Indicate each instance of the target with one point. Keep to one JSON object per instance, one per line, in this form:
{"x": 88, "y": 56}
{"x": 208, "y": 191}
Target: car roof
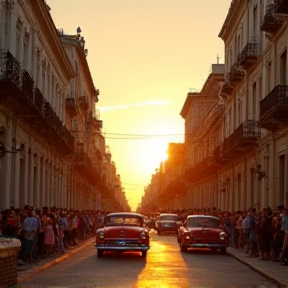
{"x": 202, "y": 216}
{"x": 168, "y": 214}
{"x": 124, "y": 214}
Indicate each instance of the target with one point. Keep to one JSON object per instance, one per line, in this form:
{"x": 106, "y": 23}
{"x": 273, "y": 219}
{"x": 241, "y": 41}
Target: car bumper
{"x": 122, "y": 247}
{"x": 206, "y": 245}
{"x": 168, "y": 229}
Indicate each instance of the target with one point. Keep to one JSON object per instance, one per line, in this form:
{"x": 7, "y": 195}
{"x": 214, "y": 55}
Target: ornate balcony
{"x": 18, "y": 93}
{"x": 203, "y": 169}
{"x": 83, "y": 102}
{"x": 219, "y": 155}
{"x": 274, "y": 108}
{"x": 83, "y": 165}
{"x": 244, "y": 138}
{"x": 235, "y": 76}
{"x": 226, "y": 89}
{"x": 281, "y": 6}
{"x": 271, "y": 22}
{"x": 248, "y": 56}
{"x": 70, "y": 105}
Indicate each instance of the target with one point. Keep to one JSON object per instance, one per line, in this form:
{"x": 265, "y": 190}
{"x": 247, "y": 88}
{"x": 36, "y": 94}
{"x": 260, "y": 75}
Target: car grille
{"x": 170, "y": 225}
{"x": 120, "y": 243}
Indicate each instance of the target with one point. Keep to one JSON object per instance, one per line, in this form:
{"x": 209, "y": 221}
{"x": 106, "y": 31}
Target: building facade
{"x": 236, "y": 127}
{"x": 52, "y": 151}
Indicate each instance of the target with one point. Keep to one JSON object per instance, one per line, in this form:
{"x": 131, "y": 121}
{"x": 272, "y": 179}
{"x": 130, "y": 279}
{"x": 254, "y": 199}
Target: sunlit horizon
{"x": 144, "y": 57}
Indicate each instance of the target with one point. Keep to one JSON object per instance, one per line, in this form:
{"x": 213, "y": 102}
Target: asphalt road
{"x": 164, "y": 267}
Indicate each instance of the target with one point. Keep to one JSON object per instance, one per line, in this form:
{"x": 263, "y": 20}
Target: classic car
{"x": 202, "y": 231}
{"x": 122, "y": 232}
{"x": 168, "y": 222}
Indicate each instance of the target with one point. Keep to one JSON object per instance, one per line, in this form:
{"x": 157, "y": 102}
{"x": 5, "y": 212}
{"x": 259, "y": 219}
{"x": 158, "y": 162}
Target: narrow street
{"x": 165, "y": 266}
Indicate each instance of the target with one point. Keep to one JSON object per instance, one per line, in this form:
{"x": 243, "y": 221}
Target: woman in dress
{"x": 49, "y": 239}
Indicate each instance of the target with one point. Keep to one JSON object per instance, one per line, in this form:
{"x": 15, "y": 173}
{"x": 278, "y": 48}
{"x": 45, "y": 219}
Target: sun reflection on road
{"x": 162, "y": 269}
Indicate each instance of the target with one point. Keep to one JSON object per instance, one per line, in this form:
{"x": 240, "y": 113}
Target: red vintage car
{"x": 202, "y": 231}
{"x": 123, "y": 231}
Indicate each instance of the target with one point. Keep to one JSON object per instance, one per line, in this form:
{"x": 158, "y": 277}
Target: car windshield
{"x": 123, "y": 220}
{"x": 169, "y": 217}
{"x": 205, "y": 222}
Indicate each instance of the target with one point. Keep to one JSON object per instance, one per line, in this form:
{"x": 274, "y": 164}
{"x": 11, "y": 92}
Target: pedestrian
{"x": 252, "y": 244}
{"x": 30, "y": 228}
{"x": 63, "y": 224}
{"x": 284, "y": 227}
{"x": 264, "y": 230}
{"x": 49, "y": 239}
{"x": 245, "y": 232}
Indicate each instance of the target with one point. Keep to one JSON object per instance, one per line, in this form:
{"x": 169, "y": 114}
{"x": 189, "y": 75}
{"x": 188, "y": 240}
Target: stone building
{"x": 236, "y": 127}
{"x": 52, "y": 150}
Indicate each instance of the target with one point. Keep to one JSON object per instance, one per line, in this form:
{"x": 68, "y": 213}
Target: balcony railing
{"x": 281, "y": 6}
{"x": 235, "y": 76}
{"x": 17, "y": 87}
{"x": 84, "y": 167}
{"x": 70, "y": 105}
{"x": 227, "y": 89}
{"x": 274, "y": 107}
{"x": 271, "y": 22}
{"x": 248, "y": 56}
{"x": 245, "y": 137}
{"x": 247, "y": 134}
{"x": 83, "y": 102}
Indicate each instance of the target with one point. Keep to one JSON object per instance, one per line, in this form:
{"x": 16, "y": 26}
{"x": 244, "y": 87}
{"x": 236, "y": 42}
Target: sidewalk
{"x": 272, "y": 270}
{"x": 27, "y": 270}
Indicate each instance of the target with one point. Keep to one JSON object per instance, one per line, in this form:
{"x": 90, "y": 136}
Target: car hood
{"x": 122, "y": 232}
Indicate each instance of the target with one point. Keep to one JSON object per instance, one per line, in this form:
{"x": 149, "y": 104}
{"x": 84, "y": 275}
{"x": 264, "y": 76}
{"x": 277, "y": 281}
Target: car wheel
{"x": 183, "y": 247}
{"x": 100, "y": 253}
{"x": 144, "y": 253}
{"x": 223, "y": 250}
{"x": 178, "y": 238}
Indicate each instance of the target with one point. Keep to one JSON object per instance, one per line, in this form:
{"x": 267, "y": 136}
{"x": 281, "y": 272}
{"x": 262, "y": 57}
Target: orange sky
{"x": 144, "y": 57}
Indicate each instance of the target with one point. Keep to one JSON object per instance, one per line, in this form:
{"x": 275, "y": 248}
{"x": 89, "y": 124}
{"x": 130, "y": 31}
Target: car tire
{"x": 223, "y": 250}
{"x": 144, "y": 253}
{"x": 100, "y": 253}
{"x": 183, "y": 247}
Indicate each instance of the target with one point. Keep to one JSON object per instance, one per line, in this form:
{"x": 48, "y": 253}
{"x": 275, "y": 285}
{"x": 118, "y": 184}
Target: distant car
{"x": 168, "y": 222}
{"x": 202, "y": 231}
{"x": 122, "y": 232}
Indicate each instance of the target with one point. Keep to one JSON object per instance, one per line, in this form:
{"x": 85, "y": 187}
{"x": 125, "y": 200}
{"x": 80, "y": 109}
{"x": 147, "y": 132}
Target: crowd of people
{"x": 48, "y": 231}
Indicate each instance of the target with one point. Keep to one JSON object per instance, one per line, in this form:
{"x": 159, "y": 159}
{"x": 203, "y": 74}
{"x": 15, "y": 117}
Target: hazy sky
{"x": 144, "y": 57}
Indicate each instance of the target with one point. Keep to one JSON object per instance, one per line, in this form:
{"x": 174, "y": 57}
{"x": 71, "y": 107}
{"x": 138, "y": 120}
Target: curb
{"x": 259, "y": 271}
{"x": 36, "y": 270}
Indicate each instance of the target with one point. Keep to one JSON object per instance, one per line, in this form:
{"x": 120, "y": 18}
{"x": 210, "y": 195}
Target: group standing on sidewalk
{"x": 48, "y": 231}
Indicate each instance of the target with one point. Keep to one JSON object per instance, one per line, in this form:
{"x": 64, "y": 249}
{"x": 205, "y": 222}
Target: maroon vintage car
{"x": 122, "y": 232}
{"x": 202, "y": 231}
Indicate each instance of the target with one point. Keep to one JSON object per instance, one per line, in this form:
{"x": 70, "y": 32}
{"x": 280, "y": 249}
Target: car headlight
{"x": 143, "y": 234}
{"x": 222, "y": 236}
{"x": 101, "y": 234}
